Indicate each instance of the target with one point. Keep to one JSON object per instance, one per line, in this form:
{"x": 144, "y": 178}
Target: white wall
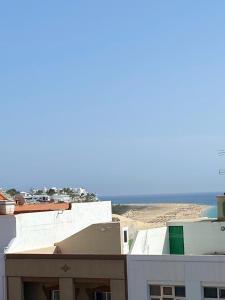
{"x": 202, "y": 237}
{"x": 124, "y": 245}
{"x": 8, "y": 230}
{"x": 7, "y": 233}
{"x": 43, "y": 229}
{"x": 151, "y": 241}
{"x": 192, "y": 271}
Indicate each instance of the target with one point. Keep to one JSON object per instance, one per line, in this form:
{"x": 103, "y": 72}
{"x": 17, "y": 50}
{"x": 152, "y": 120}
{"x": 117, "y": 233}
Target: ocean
{"x": 197, "y": 198}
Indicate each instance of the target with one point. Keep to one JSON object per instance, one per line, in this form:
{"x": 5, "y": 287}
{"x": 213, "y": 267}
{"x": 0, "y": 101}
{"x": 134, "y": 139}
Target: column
{"x": 117, "y": 288}
{"x": 15, "y": 288}
{"x": 67, "y": 290}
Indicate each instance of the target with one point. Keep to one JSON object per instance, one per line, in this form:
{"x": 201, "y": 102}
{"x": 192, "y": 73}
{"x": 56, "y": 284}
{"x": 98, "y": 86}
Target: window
{"x": 125, "y": 236}
{"x": 167, "y": 292}
{"x": 55, "y": 295}
{"x": 102, "y": 296}
{"x": 214, "y": 293}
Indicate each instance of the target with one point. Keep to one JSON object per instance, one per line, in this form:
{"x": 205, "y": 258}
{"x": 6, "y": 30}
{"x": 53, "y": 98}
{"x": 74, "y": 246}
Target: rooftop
{"x": 28, "y": 208}
{"x": 3, "y": 197}
{"x": 41, "y": 207}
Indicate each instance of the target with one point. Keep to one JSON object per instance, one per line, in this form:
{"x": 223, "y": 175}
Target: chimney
{"x": 7, "y": 206}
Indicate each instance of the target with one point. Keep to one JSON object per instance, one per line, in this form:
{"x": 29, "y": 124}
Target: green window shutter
{"x": 176, "y": 239}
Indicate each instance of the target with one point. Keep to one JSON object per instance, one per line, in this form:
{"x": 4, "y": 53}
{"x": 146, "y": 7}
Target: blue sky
{"x": 122, "y": 97}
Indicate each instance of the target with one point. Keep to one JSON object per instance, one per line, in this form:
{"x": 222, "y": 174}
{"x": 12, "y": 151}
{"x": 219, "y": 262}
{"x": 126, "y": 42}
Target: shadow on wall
{"x": 8, "y": 231}
{"x": 103, "y": 238}
{"x": 166, "y": 244}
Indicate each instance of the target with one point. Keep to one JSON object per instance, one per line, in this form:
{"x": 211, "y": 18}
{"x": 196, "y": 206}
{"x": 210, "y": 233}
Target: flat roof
{"x": 42, "y": 207}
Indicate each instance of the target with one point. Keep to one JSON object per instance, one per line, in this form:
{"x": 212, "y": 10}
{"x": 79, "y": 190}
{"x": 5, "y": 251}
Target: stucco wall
{"x": 80, "y": 267}
{"x": 200, "y": 238}
{"x": 151, "y": 241}
{"x": 203, "y": 237}
{"x": 192, "y": 271}
{"x": 8, "y": 231}
{"x": 125, "y": 247}
{"x": 101, "y": 238}
{"x": 43, "y": 229}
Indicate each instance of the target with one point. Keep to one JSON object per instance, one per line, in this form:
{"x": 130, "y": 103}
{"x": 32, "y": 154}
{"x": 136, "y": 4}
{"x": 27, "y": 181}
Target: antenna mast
{"x": 221, "y": 153}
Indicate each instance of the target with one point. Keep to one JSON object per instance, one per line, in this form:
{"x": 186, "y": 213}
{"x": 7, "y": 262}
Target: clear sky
{"x": 121, "y": 97}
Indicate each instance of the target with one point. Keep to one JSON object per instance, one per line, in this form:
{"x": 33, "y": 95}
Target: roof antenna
{"x": 221, "y": 172}
{"x": 221, "y": 153}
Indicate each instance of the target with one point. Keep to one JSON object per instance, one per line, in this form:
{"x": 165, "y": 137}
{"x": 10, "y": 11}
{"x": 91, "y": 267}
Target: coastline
{"x": 143, "y": 216}
{"x": 210, "y": 212}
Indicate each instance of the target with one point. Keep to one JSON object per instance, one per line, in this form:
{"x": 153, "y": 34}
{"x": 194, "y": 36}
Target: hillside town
{"x": 52, "y": 194}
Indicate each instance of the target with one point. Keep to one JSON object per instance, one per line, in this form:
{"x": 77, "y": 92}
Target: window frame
{"x": 125, "y": 236}
{"x": 217, "y": 286}
{"x": 163, "y": 285}
{"x": 53, "y": 293}
{"x": 105, "y": 293}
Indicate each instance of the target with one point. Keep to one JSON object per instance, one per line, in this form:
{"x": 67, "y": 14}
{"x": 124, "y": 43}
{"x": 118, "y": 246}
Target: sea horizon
{"x": 207, "y": 198}
{"x": 201, "y": 198}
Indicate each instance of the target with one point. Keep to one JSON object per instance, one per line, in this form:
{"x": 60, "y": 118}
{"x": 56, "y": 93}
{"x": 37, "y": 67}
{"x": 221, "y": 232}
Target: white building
{"x": 79, "y": 191}
{"x": 25, "y": 195}
{"x": 176, "y": 277}
{"x": 32, "y": 230}
{"x": 60, "y": 198}
{"x": 185, "y": 260}
{"x": 41, "y": 198}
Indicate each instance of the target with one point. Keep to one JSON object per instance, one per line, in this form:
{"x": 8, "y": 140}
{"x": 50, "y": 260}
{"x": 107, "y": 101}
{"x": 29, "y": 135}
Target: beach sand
{"x": 155, "y": 215}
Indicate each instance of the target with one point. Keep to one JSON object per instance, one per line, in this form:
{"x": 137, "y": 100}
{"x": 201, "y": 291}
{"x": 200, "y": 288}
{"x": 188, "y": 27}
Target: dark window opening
{"x": 210, "y": 292}
{"x": 125, "y": 238}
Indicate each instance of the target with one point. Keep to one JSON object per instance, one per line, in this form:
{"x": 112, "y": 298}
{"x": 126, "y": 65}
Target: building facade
{"x": 176, "y": 277}
{"x": 185, "y": 260}
{"x": 29, "y": 230}
{"x": 66, "y": 277}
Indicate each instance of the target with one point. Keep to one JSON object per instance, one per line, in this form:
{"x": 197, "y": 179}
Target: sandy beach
{"x": 156, "y": 215}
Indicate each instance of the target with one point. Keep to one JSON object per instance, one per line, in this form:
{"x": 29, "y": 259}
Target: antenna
{"x": 221, "y": 153}
{"x": 221, "y": 172}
